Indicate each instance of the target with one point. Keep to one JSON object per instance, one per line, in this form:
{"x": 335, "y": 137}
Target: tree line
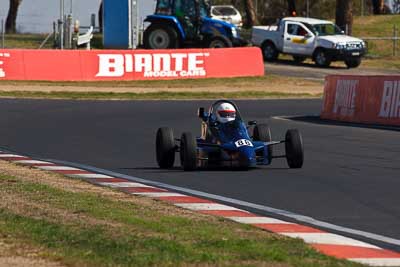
{"x": 344, "y": 11}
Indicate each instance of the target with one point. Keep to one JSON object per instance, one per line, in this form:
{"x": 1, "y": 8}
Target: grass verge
{"x": 155, "y": 95}
{"x": 76, "y": 224}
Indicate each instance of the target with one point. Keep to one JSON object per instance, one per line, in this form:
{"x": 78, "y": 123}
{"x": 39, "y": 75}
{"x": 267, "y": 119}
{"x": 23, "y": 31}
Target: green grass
{"x": 116, "y": 233}
{"x": 265, "y": 81}
{"x": 378, "y": 26}
{"x": 33, "y": 41}
{"x": 155, "y": 95}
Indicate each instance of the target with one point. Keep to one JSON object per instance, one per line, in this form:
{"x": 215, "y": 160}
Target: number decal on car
{"x": 243, "y": 142}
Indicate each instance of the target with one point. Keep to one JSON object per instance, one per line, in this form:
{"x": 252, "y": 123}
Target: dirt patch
{"x": 16, "y": 254}
{"x": 75, "y": 185}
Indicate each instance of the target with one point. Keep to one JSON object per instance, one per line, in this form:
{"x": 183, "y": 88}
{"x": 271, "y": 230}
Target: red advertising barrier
{"x": 95, "y": 65}
{"x": 362, "y": 99}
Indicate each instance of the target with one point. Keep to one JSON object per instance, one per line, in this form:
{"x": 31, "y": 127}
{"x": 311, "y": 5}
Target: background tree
{"x": 292, "y": 8}
{"x": 344, "y": 15}
{"x": 378, "y": 6}
{"x": 11, "y": 21}
{"x": 251, "y": 16}
{"x": 100, "y": 15}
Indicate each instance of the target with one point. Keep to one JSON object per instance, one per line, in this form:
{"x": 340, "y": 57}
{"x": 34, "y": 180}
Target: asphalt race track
{"x": 351, "y": 175}
{"x": 308, "y": 70}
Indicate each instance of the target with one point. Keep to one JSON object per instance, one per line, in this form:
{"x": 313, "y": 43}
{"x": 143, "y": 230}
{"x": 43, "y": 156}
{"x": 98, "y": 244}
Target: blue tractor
{"x": 186, "y": 23}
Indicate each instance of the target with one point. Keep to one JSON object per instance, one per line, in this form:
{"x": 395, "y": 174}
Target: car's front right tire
{"x": 353, "y": 62}
{"x": 165, "y": 148}
{"x": 294, "y": 149}
{"x": 262, "y": 133}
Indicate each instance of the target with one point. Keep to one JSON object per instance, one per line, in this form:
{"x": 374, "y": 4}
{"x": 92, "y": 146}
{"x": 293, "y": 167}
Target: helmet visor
{"x": 227, "y": 113}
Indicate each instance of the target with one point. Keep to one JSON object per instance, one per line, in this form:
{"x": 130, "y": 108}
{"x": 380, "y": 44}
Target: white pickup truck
{"x": 304, "y": 38}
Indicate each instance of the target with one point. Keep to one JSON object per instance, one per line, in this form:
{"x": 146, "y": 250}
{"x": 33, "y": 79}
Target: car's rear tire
{"x": 269, "y": 51}
{"x": 188, "y": 152}
{"x": 321, "y": 58}
{"x": 262, "y": 132}
{"x": 219, "y": 42}
{"x": 353, "y": 62}
{"x": 299, "y": 59}
{"x": 294, "y": 149}
{"x": 165, "y": 148}
{"x": 159, "y": 36}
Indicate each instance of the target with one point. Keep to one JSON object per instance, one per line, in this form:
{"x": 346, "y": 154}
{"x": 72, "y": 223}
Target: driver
{"x": 225, "y": 112}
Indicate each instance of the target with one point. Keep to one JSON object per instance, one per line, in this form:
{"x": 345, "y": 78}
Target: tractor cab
{"x": 186, "y": 23}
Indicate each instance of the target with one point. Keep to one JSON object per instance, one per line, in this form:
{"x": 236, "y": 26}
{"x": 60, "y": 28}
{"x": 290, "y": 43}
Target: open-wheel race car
{"x": 226, "y": 141}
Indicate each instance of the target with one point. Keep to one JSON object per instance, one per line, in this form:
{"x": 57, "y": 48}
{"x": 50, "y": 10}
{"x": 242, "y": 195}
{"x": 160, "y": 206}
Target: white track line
{"x": 256, "y": 220}
{"x": 205, "y": 206}
{"x": 298, "y": 217}
{"x": 124, "y": 184}
{"x": 393, "y": 262}
{"x": 328, "y": 238}
{"x": 159, "y": 194}
{"x": 91, "y": 176}
{"x": 58, "y": 168}
{"x": 32, "y": 162}
{"x": 11, "y": 156}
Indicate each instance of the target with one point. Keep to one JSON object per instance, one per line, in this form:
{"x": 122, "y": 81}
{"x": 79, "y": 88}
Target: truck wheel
{"x": 353, "y": 62}
{"x": 294, "y": 149}
{"x": 299, "y": 59}
{"x": 188, "y": 152}
{"x": 269, "y": 51}
{"x": 165, "y": 148}
{"x": 158, "y": 36}
{"x": 219, "y": 42}
{"x": 262, "y": 133}
{"x": 321, "y": 58}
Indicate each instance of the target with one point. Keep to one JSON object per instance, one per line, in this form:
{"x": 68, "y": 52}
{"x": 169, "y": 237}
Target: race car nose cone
{"x": 247, "y": 157}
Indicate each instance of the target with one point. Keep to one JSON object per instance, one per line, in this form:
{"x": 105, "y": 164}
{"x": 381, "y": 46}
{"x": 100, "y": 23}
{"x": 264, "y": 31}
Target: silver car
{"x": 227, "y": 13}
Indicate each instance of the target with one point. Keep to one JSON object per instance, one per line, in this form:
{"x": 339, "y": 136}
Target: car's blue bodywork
{"x": 230, "y": 144}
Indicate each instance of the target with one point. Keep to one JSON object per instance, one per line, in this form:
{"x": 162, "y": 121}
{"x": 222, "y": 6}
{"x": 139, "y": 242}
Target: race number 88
{"x": 243, "y": 142}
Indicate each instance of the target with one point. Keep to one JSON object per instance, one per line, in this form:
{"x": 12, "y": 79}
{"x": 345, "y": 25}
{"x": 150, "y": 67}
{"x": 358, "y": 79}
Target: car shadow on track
{"x": 210, "y": 169}
{"x": 318, "y": 120}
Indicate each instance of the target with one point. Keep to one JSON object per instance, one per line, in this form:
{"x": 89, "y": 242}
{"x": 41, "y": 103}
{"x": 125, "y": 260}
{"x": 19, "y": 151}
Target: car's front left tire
{"x": 188, "y": 152}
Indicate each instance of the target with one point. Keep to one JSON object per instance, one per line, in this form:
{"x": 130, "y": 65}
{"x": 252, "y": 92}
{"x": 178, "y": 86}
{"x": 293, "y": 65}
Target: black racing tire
{"x": 353, "y": 62}
{"x": 269, "y": 51}
{"x": 188, "y": 152}
{"x": 299, "y": 59}
{"x": 165, "y": 148}
{"x": 321, "y": 58}
{"x": 294, "y": 149}
{"x": 262, "y": 132}
{"x": 219, "y": 42}
{"x": 159, "y": 36}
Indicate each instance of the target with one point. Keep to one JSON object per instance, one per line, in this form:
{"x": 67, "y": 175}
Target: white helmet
{"x": 225, "y": 112}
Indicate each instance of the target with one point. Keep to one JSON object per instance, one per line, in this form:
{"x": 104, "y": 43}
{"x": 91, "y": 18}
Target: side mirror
{"x": 201, "y": 113}
{"x": 308, "y": 36}
{"x": 250, "y": 123}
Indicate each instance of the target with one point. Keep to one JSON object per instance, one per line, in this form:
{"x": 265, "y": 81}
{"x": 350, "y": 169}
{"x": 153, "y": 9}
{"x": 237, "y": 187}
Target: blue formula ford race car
{"x": 226, "y": 141}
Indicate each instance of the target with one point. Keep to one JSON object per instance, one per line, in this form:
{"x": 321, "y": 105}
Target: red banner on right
{"x": 362, "y": 99}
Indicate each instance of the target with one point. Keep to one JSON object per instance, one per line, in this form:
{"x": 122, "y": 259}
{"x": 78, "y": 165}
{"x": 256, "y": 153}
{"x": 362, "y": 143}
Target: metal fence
{"x": 380, "y": 44}
{"x": 2, "y": 33}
